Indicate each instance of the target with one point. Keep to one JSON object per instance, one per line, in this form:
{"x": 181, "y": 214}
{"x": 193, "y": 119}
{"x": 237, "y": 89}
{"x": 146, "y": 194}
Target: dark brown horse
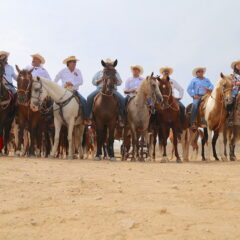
{"x": 25, "y": 117}
{"x": 105, "y": 111}
{"x": 7, "y": 110}
{"x": 168, "y": 117}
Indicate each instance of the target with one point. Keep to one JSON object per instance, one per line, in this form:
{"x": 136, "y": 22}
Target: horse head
{"x": 24, "y": 82}
{"x": 166, "y": 90}
{"x": 225, "y": 85}
{"x": 2, "y": 68}
{"x": 109, "y": 76}
{"x": 38, "y": 94}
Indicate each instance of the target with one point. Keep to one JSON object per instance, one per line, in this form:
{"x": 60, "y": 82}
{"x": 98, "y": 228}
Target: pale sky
{"x": 182, "y": 34}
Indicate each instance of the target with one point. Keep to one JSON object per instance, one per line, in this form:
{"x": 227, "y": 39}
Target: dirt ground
{"x": 84, "y": 199}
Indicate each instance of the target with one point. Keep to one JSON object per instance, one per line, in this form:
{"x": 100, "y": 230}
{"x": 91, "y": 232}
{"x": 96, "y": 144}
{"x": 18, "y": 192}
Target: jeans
{"x": 195, "y": 110}
{"x": 11, "y": 88}
{"x": 182, "y": 112}
{"x": 91, "y": 97}
{"x": 84, "y": 105}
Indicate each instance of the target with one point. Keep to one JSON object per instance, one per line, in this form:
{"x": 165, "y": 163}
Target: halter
{"x": 105, "y": 83}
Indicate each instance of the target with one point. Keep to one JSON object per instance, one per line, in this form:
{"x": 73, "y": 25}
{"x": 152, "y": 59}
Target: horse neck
{"x": 55, "y": 91}
{"x": 140, "y": 97}
{"x": 217, "y": 96}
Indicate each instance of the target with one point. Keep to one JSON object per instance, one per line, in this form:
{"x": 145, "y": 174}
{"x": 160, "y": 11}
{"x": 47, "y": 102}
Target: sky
{"x": 182, "y": 34}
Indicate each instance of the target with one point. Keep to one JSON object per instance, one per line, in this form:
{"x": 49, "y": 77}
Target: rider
{"x": 133, "y": 83}
{"x": 98, "y": 81}
{"x": 236, "y": 87}
{"x": 166, "y": 72}
{"x": 196, "y": 89}
{"x": 72, "y": 76}
{"x": 9, "y": 72}
{"x": 38, "y": 70}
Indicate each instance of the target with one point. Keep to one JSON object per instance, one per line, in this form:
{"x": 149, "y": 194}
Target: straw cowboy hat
{"x": 4, "y": 53}
{"x": 71, "y": 58}
{"x": 195, "y": 70}
{"x": 38, "y": 56}
{"x": 137, "y": 67}
{"x": 109, "y": 60}
{"x": 169, "y": 69}
{"x": 234, "y": 64}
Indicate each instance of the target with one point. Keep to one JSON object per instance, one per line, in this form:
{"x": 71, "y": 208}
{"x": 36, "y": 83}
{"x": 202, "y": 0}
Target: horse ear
{"x": 103, "y": 63}
{"x": 38, "y": 78}
{"x": 152, "y": 74}
{"x": 115, "y": 63}
{"x": 222, "y": 75}
{"x": 18, "y": 70}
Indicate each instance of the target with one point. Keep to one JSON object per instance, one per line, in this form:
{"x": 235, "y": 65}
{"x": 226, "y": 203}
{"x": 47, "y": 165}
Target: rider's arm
{"x": 210, "y": 86}
{"x": 190, "y": 89}
{"x": 119, "y": 80}
{"x": 178, "y": 88}
{"x": 97, "y": 78}
{"x": 46, "y": 75}
{"x": 58, "y": 77}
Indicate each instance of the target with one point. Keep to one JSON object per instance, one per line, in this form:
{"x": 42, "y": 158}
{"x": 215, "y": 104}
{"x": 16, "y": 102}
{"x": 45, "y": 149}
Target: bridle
{"x": 25, "y": 92}
{"x": 108, "y": 74}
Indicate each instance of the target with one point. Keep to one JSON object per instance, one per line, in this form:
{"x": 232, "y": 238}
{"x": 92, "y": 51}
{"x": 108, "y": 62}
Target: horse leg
{"x": 99, "y": 143}
{"x": 209, "y": 144}
{"x": 111, "y": 143}
{"x": 214, "y": 141}
{"x": 58, "y": 126}
{"x": 203, "y": 142}
{"x": 165, "y": 135}
{"x": 175, "y": 143}
{"x": 80, "y": 148}
{"x": 7, "y": 131}
{"x": 134, "y": 145}
{"x": 1, "y": 138}
{"x": 32, "y": 137}
{"x": 70, "y": 138}
{"x": 232, "y": 148}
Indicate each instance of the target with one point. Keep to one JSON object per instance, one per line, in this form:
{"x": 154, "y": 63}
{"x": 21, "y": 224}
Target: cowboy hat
{"x": 38, "y": 56}
{"x": 169, "y": 69}
{"x": 234, "y": 64}
{"x": 195, "y": 70}
{"x": 4, "y": 53}
{"x": 109, "y": 60}
{"x": 137, "y": 67}
{"x": 71, "y": 58}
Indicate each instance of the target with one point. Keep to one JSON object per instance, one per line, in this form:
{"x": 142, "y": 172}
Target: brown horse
{"x": 7, "y": 110}
{"x": 168, "y": 117}
{"x": 26, "y": 118}
{"x": 105, "y": 111}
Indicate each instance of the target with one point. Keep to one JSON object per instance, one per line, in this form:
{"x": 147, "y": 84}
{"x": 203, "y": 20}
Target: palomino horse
{"x": 25, "y": 117}
{"x": 213, "y": 110}
{"x": 168, "y": 117}
{"x": 105, "y": 111}
{"x": 138, "y": 113}
{"x": 67, "y": 110}
{"x": 7, "y": 111}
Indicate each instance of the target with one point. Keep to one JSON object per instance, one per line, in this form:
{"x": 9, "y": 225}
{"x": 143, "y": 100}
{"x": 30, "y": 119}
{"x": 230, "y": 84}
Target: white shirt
{"x": 74, "y": 77}
{"x": 9, "y": 73}
{"x": 176, "y": 86}
{"x": 133, "y": 83}
{"x": 39, "y": 72}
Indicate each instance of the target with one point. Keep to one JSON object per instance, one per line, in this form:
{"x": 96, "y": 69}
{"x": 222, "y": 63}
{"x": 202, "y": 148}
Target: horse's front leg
{"x": 20, "y": 140}
{"x": 99, "y": 143}
{"x": 203, "y": 142}
{"x": 58, "y": 125}
{"x": 111, "y": 143}
{"x": 80, "y": 148}
{"x": 232, "y": 148}
{"x": 175, "y": 143}
{"x": 70, "y": 137}
{"x": 134, "y": 145}
{"x": 214, "y": 141}
{"x": 164, "y": 133}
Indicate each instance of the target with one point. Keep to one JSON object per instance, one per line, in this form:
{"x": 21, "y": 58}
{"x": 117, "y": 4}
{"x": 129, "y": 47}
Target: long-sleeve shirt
{"x": 236, "y": 79}
{"x": 175, "y": 85}
{"x": 10, "y": 74}
{"x": 132, "y": 83}
{"x": 39, "y": 72}
{"x": 99, "y": 75}
{"x": 74, "y": 77}
{"x": 197, "y": 86}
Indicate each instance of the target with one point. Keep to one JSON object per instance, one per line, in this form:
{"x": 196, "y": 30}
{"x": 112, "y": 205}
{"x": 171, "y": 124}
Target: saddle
{"x": 202, "y": 109}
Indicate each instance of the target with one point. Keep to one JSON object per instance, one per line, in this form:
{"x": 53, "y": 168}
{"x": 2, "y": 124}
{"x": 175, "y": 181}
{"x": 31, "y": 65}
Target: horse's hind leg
{"x": 214, "y": 141}
{"x": 58, "y": 126}
{"x": 111, "y": 144}
{"x": 99, "y": 143}
{"x": 175, "y": 143}
{"x": 203, "y": 142}
{"x": 232, "y": 148}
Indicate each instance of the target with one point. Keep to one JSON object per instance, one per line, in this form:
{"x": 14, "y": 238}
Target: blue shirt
{"x": 197, "y": 86}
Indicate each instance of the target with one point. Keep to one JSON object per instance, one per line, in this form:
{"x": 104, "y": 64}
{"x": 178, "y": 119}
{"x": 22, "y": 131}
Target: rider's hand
{"x": 69, "y": 83}
{"x": 178, "y": 99}
{"x": 196, "y": 97}
{"x": 100, "y": 80}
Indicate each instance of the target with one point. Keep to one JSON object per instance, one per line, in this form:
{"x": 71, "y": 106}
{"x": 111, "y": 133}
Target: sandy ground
{"x": 83, "y": 199}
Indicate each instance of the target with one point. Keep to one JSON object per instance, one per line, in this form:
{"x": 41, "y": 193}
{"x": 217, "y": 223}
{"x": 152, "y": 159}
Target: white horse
{"x": 66, "y": 110}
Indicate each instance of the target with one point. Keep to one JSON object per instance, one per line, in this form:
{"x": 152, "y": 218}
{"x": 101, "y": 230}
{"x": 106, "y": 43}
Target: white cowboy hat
{"x": 195, "y": 70}
{"x": 169, "y": 69}
{"x": 137, "y": 67}
{"x": 234, "y": 64}
{"x": 4, "y": 53}
{"x": 38, "y": 56}
{"x": 71, "y": 58}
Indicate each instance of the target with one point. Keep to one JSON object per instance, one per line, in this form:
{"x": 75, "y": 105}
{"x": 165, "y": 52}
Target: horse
{"x": 168, "y": 118}
{"x": 66, "y": 108}
{"x": 105, "y": 111}
{"x": 213, "y": 108}
{"x": 25, "y": 117}
{"x": 138, "y": 114}
{"x": 7, "y": 110}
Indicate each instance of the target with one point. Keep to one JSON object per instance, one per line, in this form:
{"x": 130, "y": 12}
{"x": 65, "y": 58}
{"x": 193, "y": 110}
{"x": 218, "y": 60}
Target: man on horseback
{"x": 38, "y": 70}
{"x": 132, "y": 83}
{"x": 72, "y": 76}
{"x": 166, "y": 72}
{"x": 9, "y": 73}
{"x": 197, "y": 89}
{"x": 98, "y": 81}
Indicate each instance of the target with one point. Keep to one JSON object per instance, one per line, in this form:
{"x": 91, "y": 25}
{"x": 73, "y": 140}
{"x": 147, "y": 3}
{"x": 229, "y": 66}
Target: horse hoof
{"x": 97, "y": 159}
{"x": 71, "y": 157}
{"x": 164, "y": 160}
{"x": 179, "y": 160}
{"x": 133, "y": 160}
{"x": 149, "y": 159}
{"x": 224, "y": 159}
{"x": 232, "y": 158}
{"x": 51, "y": 157}
{"x": 113, "y": 159}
